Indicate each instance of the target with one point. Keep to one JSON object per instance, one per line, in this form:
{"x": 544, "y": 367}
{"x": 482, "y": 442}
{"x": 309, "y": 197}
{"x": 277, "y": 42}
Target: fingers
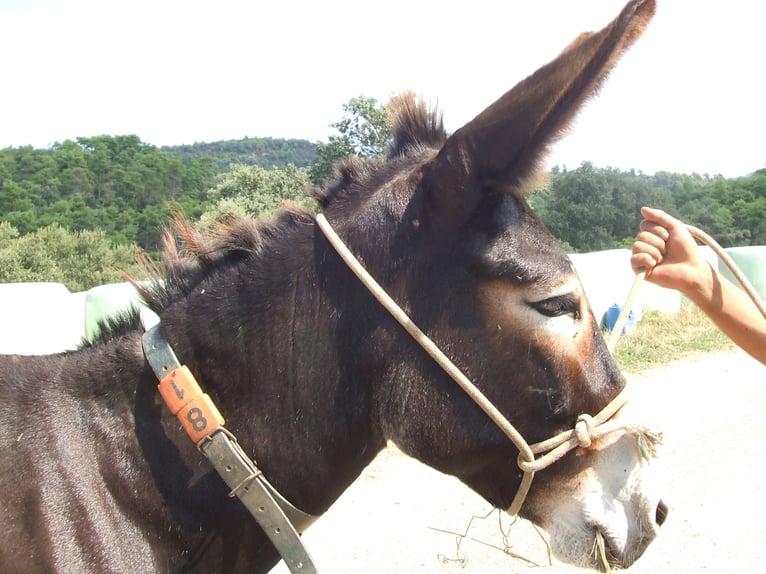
{"x": 652, "y": 237}
{"x": 642, "y": 262}
{"x": 665, "y": 240}
{"x": 653, "y": 234}
{"x": 672, "y": 233}
{"x": 645, "y": 256}
{"x": 650, "y": 245}
{"x": 660, "y": 218}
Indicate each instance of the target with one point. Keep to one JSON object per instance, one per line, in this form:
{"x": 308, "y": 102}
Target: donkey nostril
{"x": 661, "y": 513}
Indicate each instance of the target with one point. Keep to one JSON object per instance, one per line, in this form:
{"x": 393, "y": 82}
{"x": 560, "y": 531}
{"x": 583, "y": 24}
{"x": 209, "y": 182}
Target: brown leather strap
{"x": 281, "y": 521}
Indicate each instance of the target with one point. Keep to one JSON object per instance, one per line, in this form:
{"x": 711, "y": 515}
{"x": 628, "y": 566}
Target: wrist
{"x": 700, "y": 285}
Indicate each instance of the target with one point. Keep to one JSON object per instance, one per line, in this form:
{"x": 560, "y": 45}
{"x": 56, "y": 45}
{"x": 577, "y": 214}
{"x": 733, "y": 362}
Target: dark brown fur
{"x": 311, "y": 373}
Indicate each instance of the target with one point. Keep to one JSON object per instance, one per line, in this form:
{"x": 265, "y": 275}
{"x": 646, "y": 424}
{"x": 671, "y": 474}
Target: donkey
{"x": 314, "y": 376}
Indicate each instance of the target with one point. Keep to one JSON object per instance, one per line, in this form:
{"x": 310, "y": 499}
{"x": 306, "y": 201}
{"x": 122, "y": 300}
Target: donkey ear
{"x": 506, "y": 144}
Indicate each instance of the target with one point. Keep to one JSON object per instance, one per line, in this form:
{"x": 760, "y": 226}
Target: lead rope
{"x": 587, "y": 429}
{"x": 641, "y": 275}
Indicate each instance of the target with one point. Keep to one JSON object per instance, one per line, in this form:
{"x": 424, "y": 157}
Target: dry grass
{"x": 663, "y": 338}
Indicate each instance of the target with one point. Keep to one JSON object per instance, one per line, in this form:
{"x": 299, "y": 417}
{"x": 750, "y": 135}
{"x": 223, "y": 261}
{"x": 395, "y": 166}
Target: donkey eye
{"x": 558, "y": 306}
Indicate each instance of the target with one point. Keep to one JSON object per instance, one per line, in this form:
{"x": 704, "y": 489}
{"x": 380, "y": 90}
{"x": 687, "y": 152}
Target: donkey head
{"x": 455, "y": 241}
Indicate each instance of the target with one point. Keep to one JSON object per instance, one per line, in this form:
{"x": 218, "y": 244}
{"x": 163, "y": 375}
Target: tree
{"x": 265, "y": 152}
{"x": 79, "y": 260}
{"x": 577, "y": 209}
{"x": 592, "y": 208}
{"x": 79, "y": 184}
{"x": 256, "y": 191}
{"x": 364, "y": 131}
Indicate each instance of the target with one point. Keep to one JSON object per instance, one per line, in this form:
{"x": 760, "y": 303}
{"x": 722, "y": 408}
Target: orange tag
{"x": 200, "y": 417}
{"x": 194, "y": 409}
{"x": 178, "y": 388}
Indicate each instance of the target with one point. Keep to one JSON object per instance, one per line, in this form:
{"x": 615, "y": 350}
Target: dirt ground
{"x": 400, "y": 516}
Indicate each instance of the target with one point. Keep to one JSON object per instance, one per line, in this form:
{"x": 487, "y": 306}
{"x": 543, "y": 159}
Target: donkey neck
{"x": 277, "y": 360}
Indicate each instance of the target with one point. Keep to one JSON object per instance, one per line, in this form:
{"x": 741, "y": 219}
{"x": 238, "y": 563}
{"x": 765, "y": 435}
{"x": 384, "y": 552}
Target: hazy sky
{"x": 687, "y": 98}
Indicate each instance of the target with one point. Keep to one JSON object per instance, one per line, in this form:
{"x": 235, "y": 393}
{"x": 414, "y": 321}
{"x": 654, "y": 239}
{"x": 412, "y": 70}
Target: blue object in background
{"x": 611, "y": 318}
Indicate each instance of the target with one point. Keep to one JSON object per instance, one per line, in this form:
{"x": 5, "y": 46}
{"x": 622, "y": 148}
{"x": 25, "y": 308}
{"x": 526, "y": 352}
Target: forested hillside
{"x": 118, "y": 191}
{"x": 124, "y": 186}
{"x": 263, "y": 152}
{"x": 114, "y": 183}
{"x": 593, "y": 208}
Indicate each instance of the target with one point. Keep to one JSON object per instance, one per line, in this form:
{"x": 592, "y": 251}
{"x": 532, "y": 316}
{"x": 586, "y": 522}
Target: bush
{"x": 80, "y": 260}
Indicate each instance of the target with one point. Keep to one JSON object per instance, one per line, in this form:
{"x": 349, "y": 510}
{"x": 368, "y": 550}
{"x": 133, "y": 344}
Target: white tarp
{"x": 607, "y": 279}
{"x": 45, "y": 318}
{"x": 40, "y": 318}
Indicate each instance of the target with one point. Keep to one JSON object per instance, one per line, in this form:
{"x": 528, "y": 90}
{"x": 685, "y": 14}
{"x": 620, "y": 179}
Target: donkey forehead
{"x": 518, "y": 248}
{"x": 524, "y": 261}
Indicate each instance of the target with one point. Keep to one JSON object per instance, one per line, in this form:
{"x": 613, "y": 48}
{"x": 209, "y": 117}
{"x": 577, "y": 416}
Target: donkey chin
{"x": 607, "y": 513}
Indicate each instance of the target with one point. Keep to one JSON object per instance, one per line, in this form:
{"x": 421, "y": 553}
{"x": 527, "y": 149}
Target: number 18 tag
{"x": 194, "y": 409}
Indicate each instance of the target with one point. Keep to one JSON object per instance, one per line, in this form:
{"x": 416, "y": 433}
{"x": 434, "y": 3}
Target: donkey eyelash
{"x": 558, "y": 306}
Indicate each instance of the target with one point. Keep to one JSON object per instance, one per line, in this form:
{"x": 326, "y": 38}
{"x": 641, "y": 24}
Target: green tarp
{"x": 752, "y": 261}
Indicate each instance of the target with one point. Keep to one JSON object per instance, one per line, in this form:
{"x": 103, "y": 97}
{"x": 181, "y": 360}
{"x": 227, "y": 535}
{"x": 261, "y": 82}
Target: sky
{"x": 686, "y": 98}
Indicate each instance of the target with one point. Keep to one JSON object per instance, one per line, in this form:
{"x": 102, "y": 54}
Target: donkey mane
{"x": 415, "y": 128}
{"x": 191, "y": 255}
{"x": 414, "y": 125}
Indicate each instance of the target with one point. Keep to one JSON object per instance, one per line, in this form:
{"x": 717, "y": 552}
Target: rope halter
{"x": 587, "y": 429}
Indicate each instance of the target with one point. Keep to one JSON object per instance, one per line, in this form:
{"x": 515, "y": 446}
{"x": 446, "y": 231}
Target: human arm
{"x": 666, "y": 250}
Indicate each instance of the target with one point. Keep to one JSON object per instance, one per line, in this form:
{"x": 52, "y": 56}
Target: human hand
{"x": 668, "y": 253}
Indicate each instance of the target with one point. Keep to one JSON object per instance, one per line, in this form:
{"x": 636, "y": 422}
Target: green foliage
{"x": 592, "y": 208}
{"x": 80, "y": 260}
{"x": 263, "y": 152}
{"x": 364, "y": 131}
{"x": 365, "y": 126}
{"x": 114, "y": 183}
{"x": 121, "y": 189}
{"x": 255, "y": 191}
{"x": 328, "y": 154}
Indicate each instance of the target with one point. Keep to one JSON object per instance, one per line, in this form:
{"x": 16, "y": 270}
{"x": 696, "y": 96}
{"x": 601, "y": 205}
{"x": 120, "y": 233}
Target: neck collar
{"x": 281, "y": 521}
